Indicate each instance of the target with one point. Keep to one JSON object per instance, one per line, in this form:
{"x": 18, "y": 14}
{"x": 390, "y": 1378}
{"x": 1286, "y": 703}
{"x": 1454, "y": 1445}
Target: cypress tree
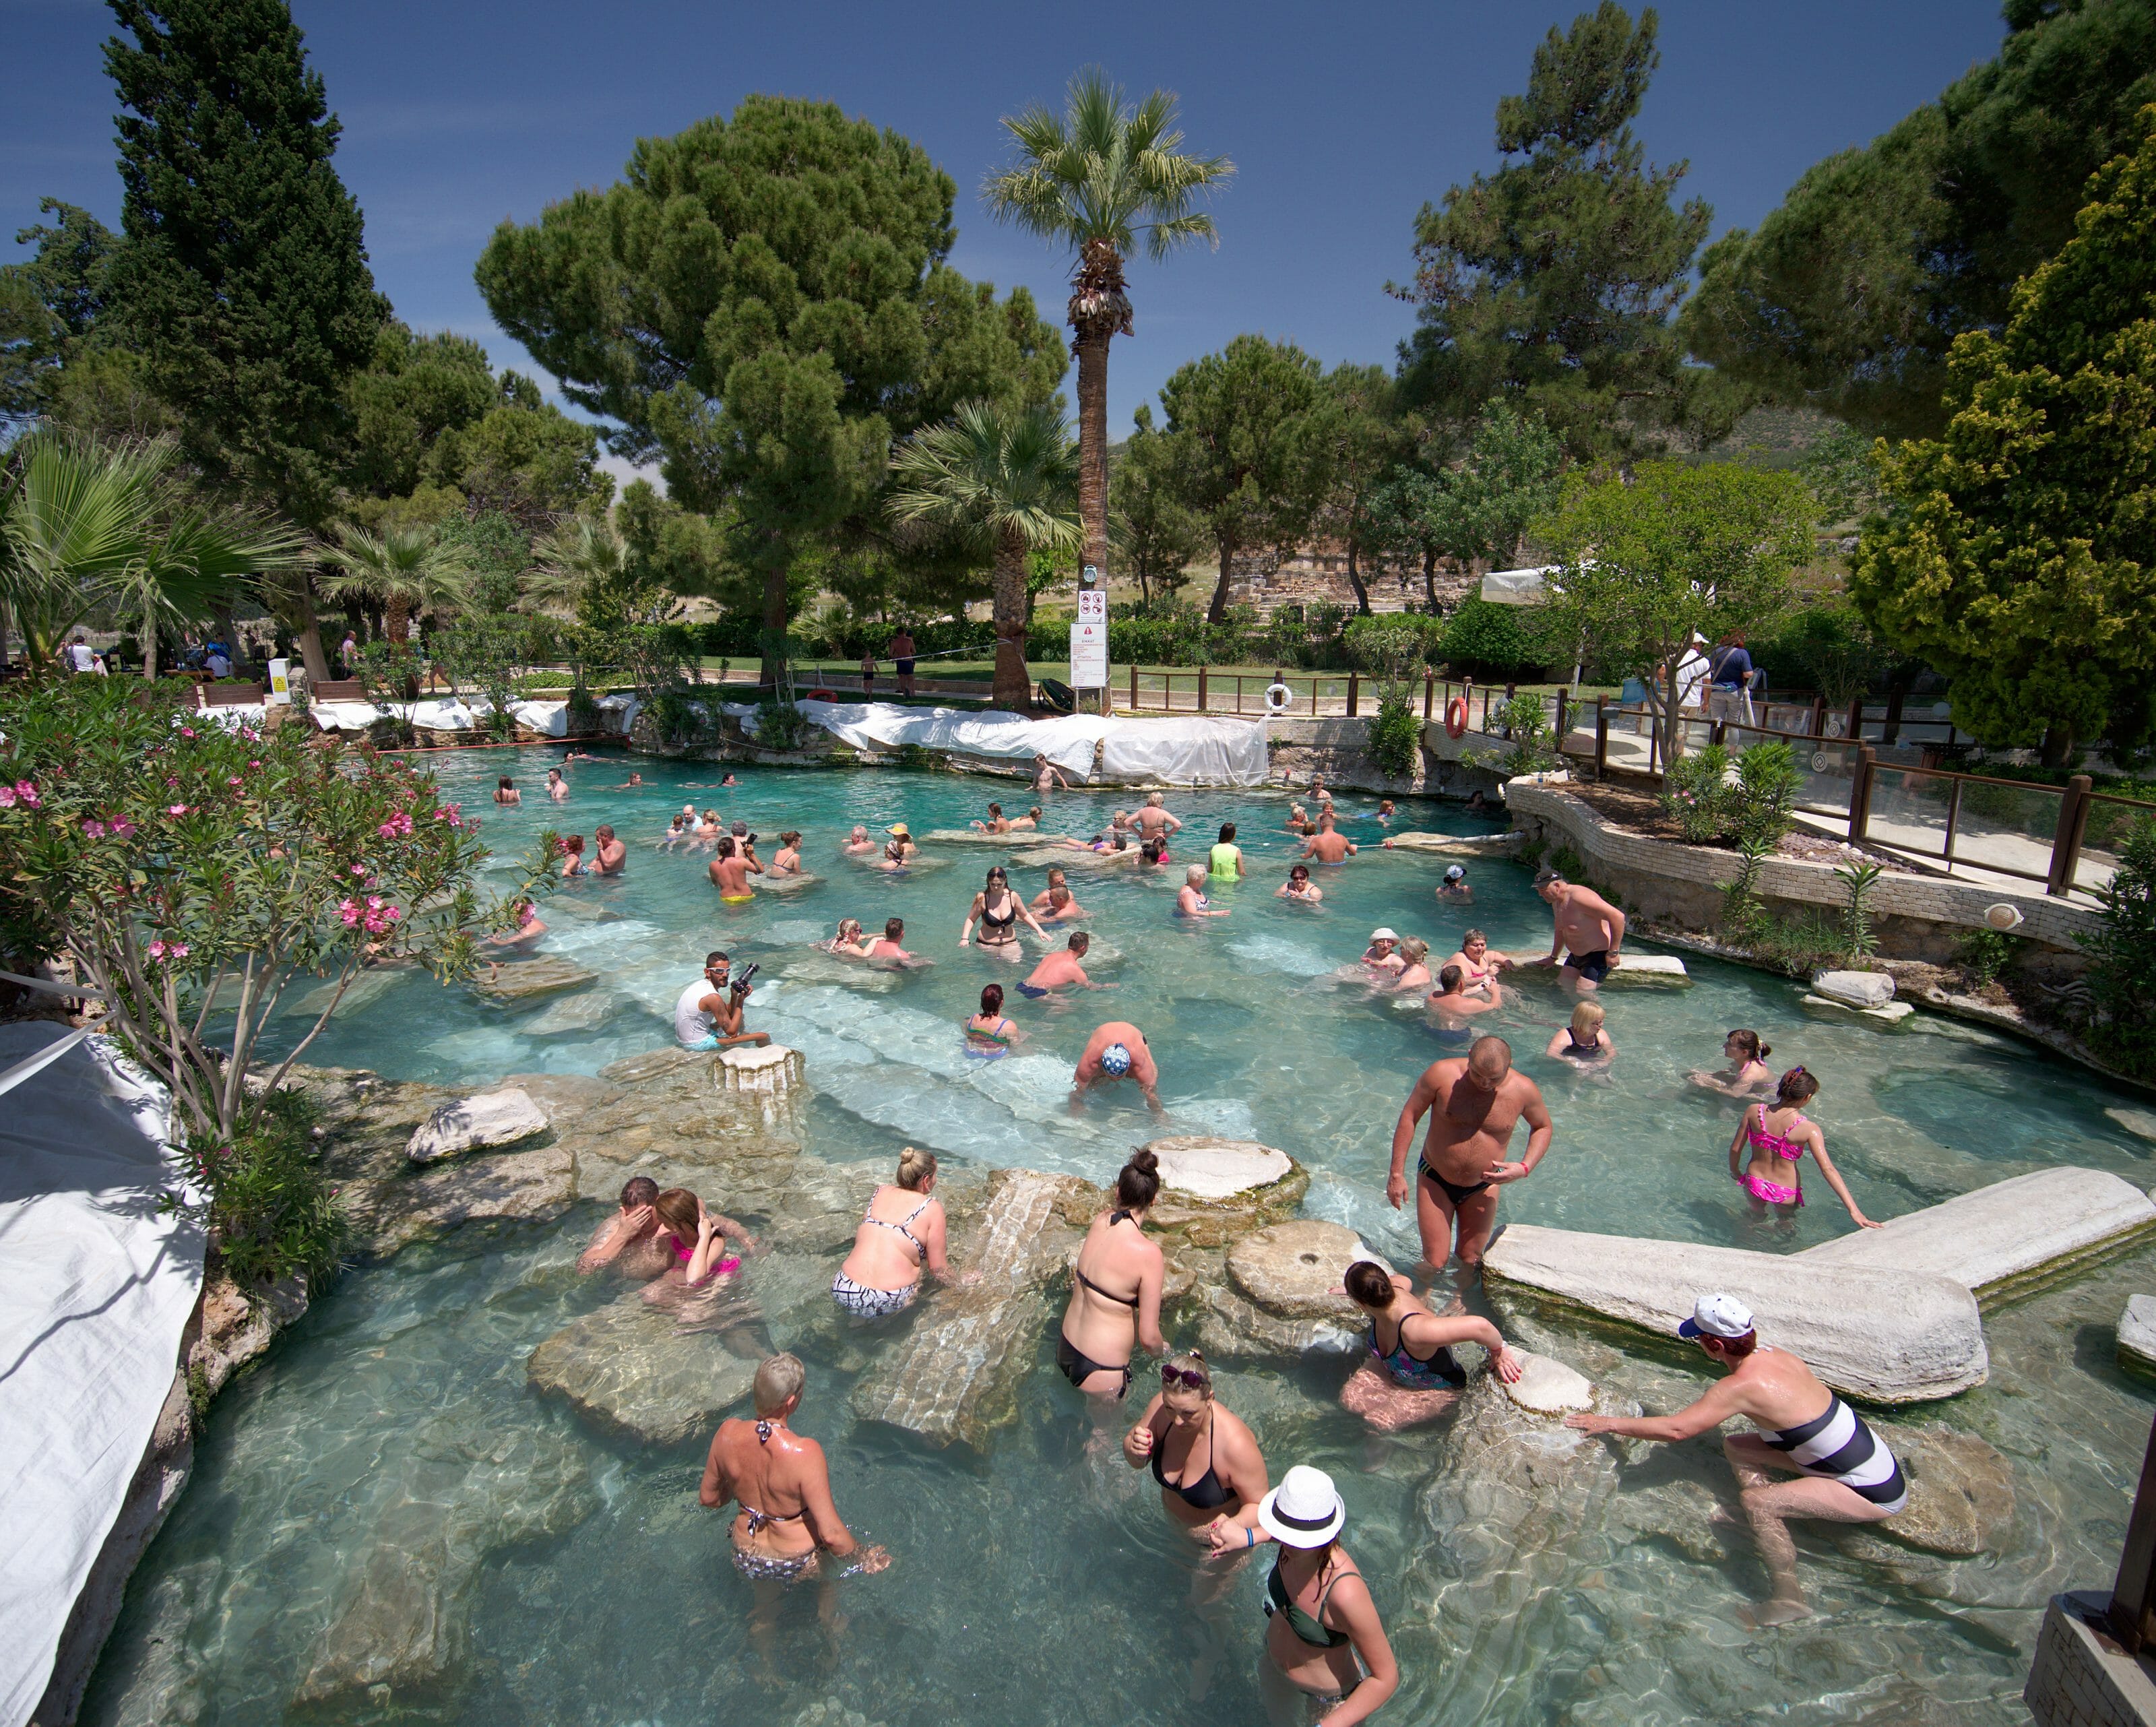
{"x": 242, "y": 276}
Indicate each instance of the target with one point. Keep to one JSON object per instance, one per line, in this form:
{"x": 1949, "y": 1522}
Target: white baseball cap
{"x": 1303, "y": 1510}
{"x": 1384, "y": 933}
{"x": 1456, "y": 872}
{"x": 1717, "y": 1315}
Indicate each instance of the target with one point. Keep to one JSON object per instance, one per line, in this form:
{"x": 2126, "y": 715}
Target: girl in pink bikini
{"x": 698, "y": 1238}
{"x": 1776, "y": 1136}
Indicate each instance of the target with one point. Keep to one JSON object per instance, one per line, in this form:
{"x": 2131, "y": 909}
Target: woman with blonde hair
{"x": 1584, "y": 1041}
{"x": 902, "y": 1233}
{"x": 1415, "y": 974}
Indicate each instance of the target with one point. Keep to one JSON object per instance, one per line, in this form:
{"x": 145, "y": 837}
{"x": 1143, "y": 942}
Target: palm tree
{"x": 85, "y": 524}
{"x": 1097, "y": 176}
{"x": 576, "y": 558}
{"x": 1005, "y": 479}
{"x": 407, "y": 569}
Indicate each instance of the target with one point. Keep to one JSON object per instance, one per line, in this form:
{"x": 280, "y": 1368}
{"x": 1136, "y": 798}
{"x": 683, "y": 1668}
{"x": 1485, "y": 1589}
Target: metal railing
{"x": 1913, "y": 809}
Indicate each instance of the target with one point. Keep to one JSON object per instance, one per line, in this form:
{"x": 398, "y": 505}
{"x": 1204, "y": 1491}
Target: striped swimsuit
{"x": 1839, "y": 1446}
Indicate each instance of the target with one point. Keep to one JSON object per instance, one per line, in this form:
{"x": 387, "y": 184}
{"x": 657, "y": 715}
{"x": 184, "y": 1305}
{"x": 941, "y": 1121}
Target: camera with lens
{"x": 739, "y": 982}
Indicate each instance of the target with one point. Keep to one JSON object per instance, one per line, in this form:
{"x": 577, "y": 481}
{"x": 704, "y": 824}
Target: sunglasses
{"x": 1193, "y": 1378}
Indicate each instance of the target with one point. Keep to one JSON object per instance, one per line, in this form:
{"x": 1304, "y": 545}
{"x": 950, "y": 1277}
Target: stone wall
{"x": 1915, "y": 917}
{"x": 2081, "y": 1677}
{"x": 1339, "y": 750}
{"x": 1317, "y": 574}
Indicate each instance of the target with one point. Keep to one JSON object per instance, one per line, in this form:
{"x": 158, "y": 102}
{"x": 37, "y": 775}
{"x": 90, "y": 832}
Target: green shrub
{"x": 1395, "y": 645}
{"x": 779, "y": 725}
{"x": 1753, "y": 808}
{"x": 1534, "y": 735}
{"x": 1483, "y": 639}
{"x": 2122, "y": 977}
{"x": 1768, "y": 782}
{"x": 1395, "y": 741}
{"x": 583, "y": 714}
{"x": 1984, "y": 954}
{"x": 1695, "y": 793}
{"x": 1856, "y": 932}
{"x": 272, "y": 1212}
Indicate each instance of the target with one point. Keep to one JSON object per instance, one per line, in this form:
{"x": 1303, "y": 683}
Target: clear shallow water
{"x": 1036, "y": 1585}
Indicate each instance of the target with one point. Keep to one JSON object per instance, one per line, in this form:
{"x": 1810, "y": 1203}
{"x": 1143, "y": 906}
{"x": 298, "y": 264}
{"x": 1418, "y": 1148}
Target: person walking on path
{"x": 1473, "y": 1106}
{"x": 1846, "y": 1472}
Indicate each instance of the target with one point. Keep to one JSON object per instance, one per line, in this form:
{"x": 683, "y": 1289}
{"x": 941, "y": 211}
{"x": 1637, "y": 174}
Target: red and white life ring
{"x": 1456, "y": 717}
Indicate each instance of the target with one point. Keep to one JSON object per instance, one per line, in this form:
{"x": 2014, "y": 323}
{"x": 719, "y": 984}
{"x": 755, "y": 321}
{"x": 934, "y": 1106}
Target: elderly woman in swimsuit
{"x": 1414, "y": 969}
{"x": 998, "y": 911}
{"x": 1478, "y": 964}
{"x": 1411, "y": 1372}
{"x": 1777, "y": 1136}
{"x": 1190, "y": 901}
{"x": 1115, "y": 1294}
{"x": 1298, "y": 889}
{"x": 1584, "y": 1041}
{"x": 902, "y": 1233}
{"x": 783, "y": 1484}
{"x": 1747, "y": 1075}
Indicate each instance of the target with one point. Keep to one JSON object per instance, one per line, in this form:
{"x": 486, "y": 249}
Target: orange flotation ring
{"x": 1456, "y": 717}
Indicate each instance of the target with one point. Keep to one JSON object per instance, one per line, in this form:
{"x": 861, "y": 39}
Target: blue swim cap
{"x": 1114, "y": 1060}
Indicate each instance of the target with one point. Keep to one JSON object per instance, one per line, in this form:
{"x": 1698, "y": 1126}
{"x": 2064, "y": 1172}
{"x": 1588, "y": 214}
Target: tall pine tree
{"x": 1551, "y": 282}
{"x": 242, "y": 276}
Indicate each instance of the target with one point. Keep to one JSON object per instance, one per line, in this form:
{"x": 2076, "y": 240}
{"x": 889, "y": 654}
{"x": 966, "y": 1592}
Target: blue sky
{"x": 1342, "y": 120}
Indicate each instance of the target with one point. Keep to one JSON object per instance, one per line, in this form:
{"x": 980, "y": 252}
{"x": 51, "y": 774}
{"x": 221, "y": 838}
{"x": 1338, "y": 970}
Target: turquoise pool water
{"x": 1036, "y": 1585}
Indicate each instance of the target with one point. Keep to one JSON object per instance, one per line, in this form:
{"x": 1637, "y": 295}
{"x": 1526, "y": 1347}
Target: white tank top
{"x": 691, "y": 1023}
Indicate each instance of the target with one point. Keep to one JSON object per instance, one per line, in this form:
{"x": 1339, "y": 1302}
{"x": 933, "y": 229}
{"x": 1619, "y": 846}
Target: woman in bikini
{"x": 996, "y": 823}
{"x": 1584, "y": 1041}
{"x": 1747, "y": 1075}
{"x": 1479, "y": 965}
{"x": 573, "y": 856}
{"x": 1297, "y": 889}
{"x": 902, "y": 1233}
{"x": 1415, "y": 970}
{"x": 1115, "y": 1294}
{"x": 1028, "y": 823}
{"x": 1322, "y": 1630}
{"x": 989, "y": 1035}
{"x": 1210, "y": 1471}
{"x": 787, "y": 860}
{"x": 1190, "y": 901}
{"x": 506, "y": 794}
{"x": 780, "y": 1479}
{"x": 848, "y": 943}
{"x": 998, "y": 911}
{"x": 1777, "y": 1135}
{"x": 697, "y": 1238}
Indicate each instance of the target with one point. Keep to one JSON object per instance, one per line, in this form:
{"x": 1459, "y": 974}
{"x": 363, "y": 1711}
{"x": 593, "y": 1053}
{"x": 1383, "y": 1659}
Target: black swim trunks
{"x": 1453, "y": 1190}
{"x": 1594, "y": 967}
{"x": 905, "y": 668}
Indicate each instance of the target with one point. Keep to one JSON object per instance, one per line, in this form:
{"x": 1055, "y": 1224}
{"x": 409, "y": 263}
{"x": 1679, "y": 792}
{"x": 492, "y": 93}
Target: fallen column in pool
{"x": 954, "y": 1375}
{"x": 1881, "y": 1335}
{"x": 2008, "y": 1239}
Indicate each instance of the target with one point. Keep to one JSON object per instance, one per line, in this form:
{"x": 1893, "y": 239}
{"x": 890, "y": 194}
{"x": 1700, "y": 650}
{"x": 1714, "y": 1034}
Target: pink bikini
{"x": 1780, "y": 1145}
{"x": 731, "y": 1263}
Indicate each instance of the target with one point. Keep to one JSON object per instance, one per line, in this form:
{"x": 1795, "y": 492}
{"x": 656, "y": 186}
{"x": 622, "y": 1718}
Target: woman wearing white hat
{"x": 1321, "y": 1615}
{"x": 1383, "y": 955}
{"x": 1847, "y": 1474}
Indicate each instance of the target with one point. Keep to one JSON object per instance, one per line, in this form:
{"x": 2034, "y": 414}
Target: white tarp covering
{"x": 95, "y": 1288}
{"x": 549, "y": 718}
{"x": 1521, "y": 587}
{"x": 1177, "y": 752}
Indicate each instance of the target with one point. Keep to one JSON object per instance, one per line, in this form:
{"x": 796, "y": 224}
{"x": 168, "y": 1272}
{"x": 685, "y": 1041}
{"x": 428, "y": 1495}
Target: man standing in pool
{"x": 1588, "y": 930}
{"x": 612, "y": 854}
{"x": 730, "y": 873}
{"x": 1328, "y": 845}
{"x": 1473, "y": 1106}
{"x": 1116, "y": 1051}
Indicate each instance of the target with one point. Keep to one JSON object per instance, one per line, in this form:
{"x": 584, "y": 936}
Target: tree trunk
{"x": 309, "y": 632}
{"x": 1217, "y": 612}
{"x": 1092, "y": 348}
{"x": 1671, "y": 724}
{"x": 227, "y": 630}
{"x": 1013, "y": 683}
{"x": 6, "y": 619}
{"x": 772, "y": 648}
{"x": 400, "y": 623}
{"x": 2058, "y": 746}
{"x": 149, "y": 646}
{"x": 1430, "y": 577}
{"x": 1355, "y": 581}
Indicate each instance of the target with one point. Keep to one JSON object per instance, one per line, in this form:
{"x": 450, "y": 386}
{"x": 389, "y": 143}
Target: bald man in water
{"x": 1473, "y": 1107}
{"x": 1328, "y": 845}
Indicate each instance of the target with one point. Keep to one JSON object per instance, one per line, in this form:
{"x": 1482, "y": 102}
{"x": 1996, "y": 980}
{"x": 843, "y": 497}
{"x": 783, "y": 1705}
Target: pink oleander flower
{"x": 187, "y": 731}
{"x": 400, "y": 823}
{"x": 349, "y": 912}
{"x": 122, "y": 827}
{"x": 168, "y": 950}
{"x": 93, "y": 829}
{"x": 25, "y": 794}
{"x": 359, "y": 869}
{"x": 6, "y": 798}
{"x": 175, "y": 810}
{"x": 232, "y": 779}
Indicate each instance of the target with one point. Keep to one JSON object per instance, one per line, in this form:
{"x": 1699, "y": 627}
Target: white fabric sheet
{"x": 1177, "y": 752}
{"x": 95, "y": 1288}
{"x": 343, "y": 715}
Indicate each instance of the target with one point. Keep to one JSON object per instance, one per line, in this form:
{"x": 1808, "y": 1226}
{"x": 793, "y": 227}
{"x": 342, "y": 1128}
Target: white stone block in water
{"x": 1211, "y": 1169}
{"x": 770, "y": 1069}
{"x": 1890, "y": 1013}
{"x": 2137, "y": 1334}
{"x": 1856, "y": 988}
{"x": 492, "y": 1118}
{"x": 2005, "y": 1236}
{"x": 1293, "y": 1269}
{"x": 2139, "y": 1122}
{"x": 1547, "y": 1387}
{"x": 1883, "y": 1336}
{"x": 1661, "y": 968}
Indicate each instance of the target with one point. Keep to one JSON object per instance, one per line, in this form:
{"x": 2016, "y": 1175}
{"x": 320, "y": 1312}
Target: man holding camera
{"x": 708, "y": 1015}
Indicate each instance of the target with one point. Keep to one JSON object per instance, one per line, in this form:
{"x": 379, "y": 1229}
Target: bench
{"x": 230, "y": 695}
{"x": 350, "y": 689}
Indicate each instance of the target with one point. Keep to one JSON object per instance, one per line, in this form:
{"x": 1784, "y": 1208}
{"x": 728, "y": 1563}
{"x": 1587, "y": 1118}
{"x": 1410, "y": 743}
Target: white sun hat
{"x": 1303, "y": 1510}
{"x": 1384, "y": 933}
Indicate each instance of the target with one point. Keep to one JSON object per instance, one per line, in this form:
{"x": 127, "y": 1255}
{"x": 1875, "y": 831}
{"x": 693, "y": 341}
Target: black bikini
{"x": 1579, "y": 1051}
{"x": 1078, "y": 1368}
{"x": 1453, "y": 1190}
{"x": 1205, "y": 1493}
{"x": 989, "y": 920}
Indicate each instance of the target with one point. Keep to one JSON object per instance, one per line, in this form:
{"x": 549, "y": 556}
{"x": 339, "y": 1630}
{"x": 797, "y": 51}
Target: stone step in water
{"x": 1879, "y": 1334}
{"x": 2006, "y": 1239}
{"x": 1457, "y": 845}
{"x": 484, "y": 1122}
{"x": 954, "y": 1376}
{"x": 632, "y": 1371}
{"x": 1651, "y": 970}
{"x": 2137, "y": 1334}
